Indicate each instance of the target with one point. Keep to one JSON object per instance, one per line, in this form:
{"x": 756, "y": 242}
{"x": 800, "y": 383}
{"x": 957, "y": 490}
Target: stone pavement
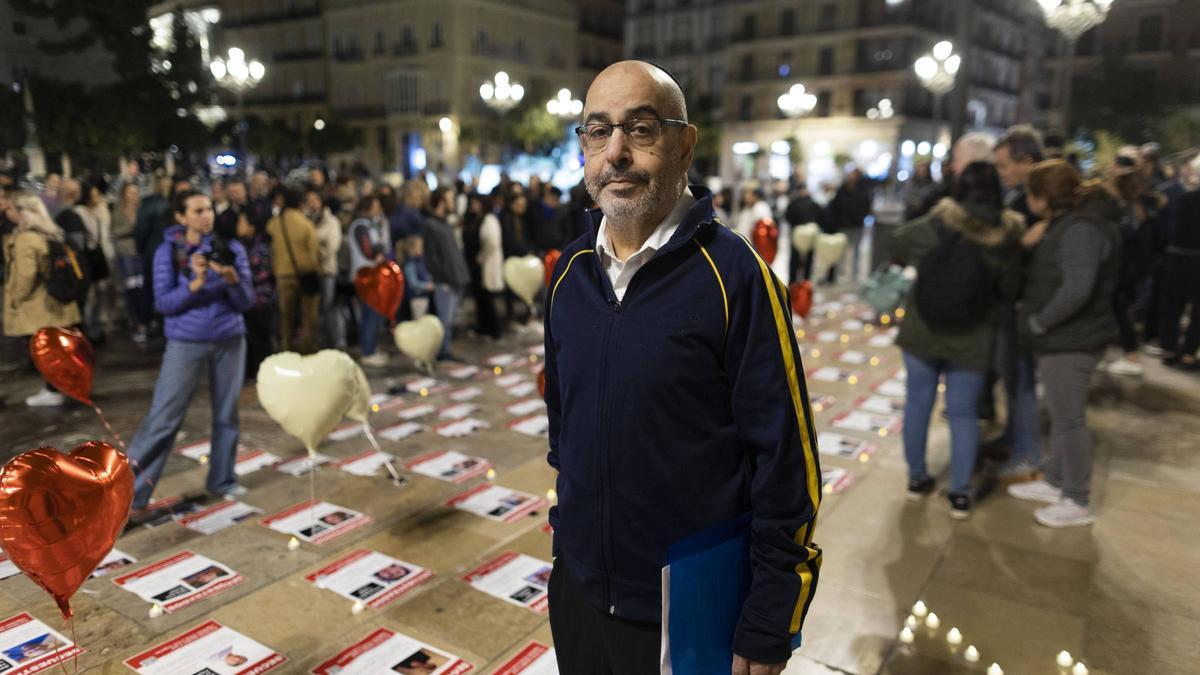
{"x": 1121, "y": 596}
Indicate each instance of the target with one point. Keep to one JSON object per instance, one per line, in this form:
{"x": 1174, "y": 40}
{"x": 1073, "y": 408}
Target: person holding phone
{"x": 202, "y": 301}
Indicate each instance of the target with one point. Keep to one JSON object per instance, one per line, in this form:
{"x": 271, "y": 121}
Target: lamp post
{"x": 500, "y": 93}
{"x": 795, "y": 103}
{"x": 938, "y": 71}
{"x": 564, "y": 106}
{"x": 237, "y": 75}
{"x": 1072, "y": 18}
{"x": 882, "y": 111}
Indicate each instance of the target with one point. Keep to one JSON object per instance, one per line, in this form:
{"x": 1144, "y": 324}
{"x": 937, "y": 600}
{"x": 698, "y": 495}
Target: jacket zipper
{"x": 605, "y": 531}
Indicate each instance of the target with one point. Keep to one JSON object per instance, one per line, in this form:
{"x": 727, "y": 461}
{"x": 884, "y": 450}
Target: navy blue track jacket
{"x": 676, "y": 410}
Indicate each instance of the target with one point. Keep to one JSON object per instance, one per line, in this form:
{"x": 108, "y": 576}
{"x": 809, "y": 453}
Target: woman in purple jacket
{"x": 202, "y": 286}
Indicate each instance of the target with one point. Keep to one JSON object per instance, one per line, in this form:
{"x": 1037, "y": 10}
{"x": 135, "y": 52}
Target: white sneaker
{"x": 376, "y": 360}
{"x": 1035, "y": 491}
{"x": 1065, "y": 513}
{"x": 1125, "y": 366}
{"x": 1152, "y": 349}
{"x": 45, "y": 399}
{"x": 233, "y": 493}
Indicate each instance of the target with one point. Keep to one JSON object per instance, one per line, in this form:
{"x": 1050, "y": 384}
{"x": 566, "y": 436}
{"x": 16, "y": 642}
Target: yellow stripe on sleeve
{"x": 564, "y": 274}
{"x": 720, "y": 281}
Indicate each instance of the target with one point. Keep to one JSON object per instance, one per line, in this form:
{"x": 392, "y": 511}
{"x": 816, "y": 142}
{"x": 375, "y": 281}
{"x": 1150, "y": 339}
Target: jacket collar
{"x": 699, "y": 216}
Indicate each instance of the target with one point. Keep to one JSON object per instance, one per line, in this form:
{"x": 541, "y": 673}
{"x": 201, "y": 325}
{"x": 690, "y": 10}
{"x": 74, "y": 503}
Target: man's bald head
{"x": 639, "y": 79}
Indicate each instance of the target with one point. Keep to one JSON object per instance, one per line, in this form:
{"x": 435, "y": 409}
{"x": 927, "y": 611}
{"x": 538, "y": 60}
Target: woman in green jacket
{"x": 961, "y": 354}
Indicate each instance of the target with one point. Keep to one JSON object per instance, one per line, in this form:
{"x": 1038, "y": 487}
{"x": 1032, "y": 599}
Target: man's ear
{"x": 687, "y": 149}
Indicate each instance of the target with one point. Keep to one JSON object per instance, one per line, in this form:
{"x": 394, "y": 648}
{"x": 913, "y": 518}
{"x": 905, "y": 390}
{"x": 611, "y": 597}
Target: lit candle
{"x": 844, "y": 338}
{"x": 852, "y": 380}
{"x": 911, "y": 622}
{"x": 497, "y": 370}
{"x": 552, "y": 494}
{"x": 906, "y": 635}
{"x": 1079, "y": 669}
{"x": 533, "y": 358}
{"x": 424, "y": 391}
{"x": 995, "y": 669}
{"x": 971, "y": 655}
{"x": 156, "y": 611}
{"x": 1064, "y": 660}
{"x": 800, "y": 334}
{"x": 899, "y": 312}
{"x": 874, "y": 360}
{"x": 357, "y": 607}
{"x": 375, "y": 408}
{"x": 932, "y": 621}
{"x": 816, "y": 353}
{"x": 293, "y": 544}
{"x": 491, "y": 474}
{"x": 919, "y": 610}
{"x": 204, "y": 459}
{"x": 954, "y": 637}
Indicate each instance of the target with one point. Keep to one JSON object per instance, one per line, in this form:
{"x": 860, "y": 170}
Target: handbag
{"x": 97, "y": 263}
{"x": 886, "y": 288}
{"x": 310, "y": 282}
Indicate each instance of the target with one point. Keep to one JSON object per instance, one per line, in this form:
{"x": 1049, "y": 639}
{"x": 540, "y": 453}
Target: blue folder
{"x": 705, "y": 584}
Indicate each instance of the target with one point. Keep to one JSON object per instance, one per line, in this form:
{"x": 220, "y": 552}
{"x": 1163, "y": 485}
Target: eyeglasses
{"x": 642, "y": 133}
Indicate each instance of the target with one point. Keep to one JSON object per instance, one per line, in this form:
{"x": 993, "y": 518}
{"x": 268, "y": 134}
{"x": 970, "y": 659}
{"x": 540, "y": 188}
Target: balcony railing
{"x": 271, "y": 17}
{"x": 299, "y": 54}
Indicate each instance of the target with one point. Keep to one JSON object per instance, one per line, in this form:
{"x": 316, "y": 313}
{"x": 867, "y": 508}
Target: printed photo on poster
{"x": 460, "y": 428}
{"x": 30, "y": 646}
{"x": 835, "y": 479}
{"x": 217, "y": 517}
{"x": 180, "y": 580}
{"x": 366, "y": 463}
{"x": 834, "y": 374}
{"x": 301, "y": 464}
{"x": 515, "y": 578}
{"x": 534, "y": 425}
{"x": 399, "y": 432}
{"x": 375, "y": 578}
{"x": 882, "y": 405}
{"x": 207, "y": 649}
{"x": 837, "y": 445}
{"x": 869, "y": 423}
{"x": 112, "y": 562}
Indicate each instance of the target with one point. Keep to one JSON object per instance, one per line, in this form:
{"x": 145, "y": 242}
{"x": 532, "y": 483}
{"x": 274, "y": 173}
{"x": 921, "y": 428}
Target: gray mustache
{"x": 633, "y": 175}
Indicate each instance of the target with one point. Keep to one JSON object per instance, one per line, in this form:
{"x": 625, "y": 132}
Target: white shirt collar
{"x": 661, "y": 234}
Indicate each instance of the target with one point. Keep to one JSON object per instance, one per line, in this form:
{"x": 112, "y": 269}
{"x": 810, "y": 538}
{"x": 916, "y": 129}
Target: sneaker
{"x": 376, "y": 360}
{"x": 1035, "y": 491}
{"x": 1152, "y": 349}
{"x": 1064, "y": 513}
{"x": 234, "y": 492}
{"x": 1020, "y": 471}
{"x": 960, "y": 505}
{"x": 45, "y": 399}
{"x": 919, "y": 489}
{"x": 1124, "y": 366}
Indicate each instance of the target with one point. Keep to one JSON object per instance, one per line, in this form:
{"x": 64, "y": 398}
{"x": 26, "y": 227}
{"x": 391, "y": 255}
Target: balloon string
{"x": 70, "y": 621}
{"x": 312, "y": 493}
{"x": 112, "y": 432}
{"x": 387, "y": 460}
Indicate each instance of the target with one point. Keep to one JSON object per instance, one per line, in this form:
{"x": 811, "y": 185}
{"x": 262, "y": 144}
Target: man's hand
{"x": 227, "y": 272}
{"x": 744, "y": 666}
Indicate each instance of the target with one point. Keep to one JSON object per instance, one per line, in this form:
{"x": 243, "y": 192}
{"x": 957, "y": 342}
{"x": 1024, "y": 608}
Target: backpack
{"x": 954, "y": 283}
{"x": 69, "y": 275}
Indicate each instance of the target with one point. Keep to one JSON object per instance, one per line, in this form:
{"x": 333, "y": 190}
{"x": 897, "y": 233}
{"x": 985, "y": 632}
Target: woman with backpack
{"x": 29, "y": 304}
{"x": 968, "y": 258}
{"x": 1066, "y": 317}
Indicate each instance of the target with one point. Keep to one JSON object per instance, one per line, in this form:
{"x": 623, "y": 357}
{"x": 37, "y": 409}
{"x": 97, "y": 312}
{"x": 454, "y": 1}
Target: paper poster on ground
{"x": 463, "y": 372}
{"x": 301, "y": 464}
{"x": 217, "y": 517}
{"x": 837, "y": 445}
{"x": 459, "y": 428}
{"x": 496, "y": 503}
{"x": 315, "y": 521}
{"x": 112, "y": 562}
{"x": 207, "y": 649}
{"x": 449, "y": 465}
{"x": 180, "y": 580}
{"x": 366, "y": 463}
{"x": 30, "y": 646}
{"x": 375, "y": 578}
{"x": 506, "y": 381}
{"x": 525, "y": 407}
{"x": 883, "y": 405}
{"x": 399, "y": 432}
{"x": 386, "y": 651}
{"x": 457, "y": 411}
{"x": 865, "y": 422}
{"x": 516, "y": 578}
{"x": 834, "y": 374}
{"x": 821, "y": 402}
{"x": 7, "y": 567}
{"x": 853, "y": 357}
{"x": 534, "y": 425}
{"x": 891, "y": 389}
{"x": 465, "y": 394}
{"x": 346, "y": 432}
{"x": 535, "y": 659}
{"x": 835, "y": 479}
{"x": 415, "y": 411}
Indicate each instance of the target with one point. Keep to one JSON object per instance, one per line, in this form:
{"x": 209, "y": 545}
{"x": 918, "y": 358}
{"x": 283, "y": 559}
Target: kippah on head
{"x": 664, "y": 70}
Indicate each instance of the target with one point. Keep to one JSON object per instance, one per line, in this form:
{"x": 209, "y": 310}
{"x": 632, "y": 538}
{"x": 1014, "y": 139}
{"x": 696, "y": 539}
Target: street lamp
{"x": 937, "y": 71}
{"x": 501, "y": 94}
{"x": 882, "y": 111}
{"x": 238, "y": 76}
{"x": 564, "y": 106}
{"x": 1072, "y": 18}
{"x": 796, "y": 102}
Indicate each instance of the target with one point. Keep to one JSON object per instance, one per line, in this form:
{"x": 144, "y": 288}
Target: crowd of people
{"x": 1028, "y": 270}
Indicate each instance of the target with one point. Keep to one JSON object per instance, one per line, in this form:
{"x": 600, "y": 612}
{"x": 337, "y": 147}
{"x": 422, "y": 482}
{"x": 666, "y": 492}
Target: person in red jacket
{"x": 676, "y": 399}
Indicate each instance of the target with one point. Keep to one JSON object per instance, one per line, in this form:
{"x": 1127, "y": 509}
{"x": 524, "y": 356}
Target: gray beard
{"x": 638, "y": 213}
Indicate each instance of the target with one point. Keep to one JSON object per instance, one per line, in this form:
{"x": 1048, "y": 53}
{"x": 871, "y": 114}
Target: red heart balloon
{"x": 550, "y": 260}
{"x": 65, "y": 358}
{"x": 61, "y": 514}
{"x": 381, "y": 287}
{"x": 766, "y": 239}
{"x": 801, "y": 296}
{"x": 541, "y": 382}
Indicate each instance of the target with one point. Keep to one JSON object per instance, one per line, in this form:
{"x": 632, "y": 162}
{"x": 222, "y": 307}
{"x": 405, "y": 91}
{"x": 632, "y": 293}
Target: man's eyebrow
{"x": 597, "y": 117}
{"x": 641, "y": 111}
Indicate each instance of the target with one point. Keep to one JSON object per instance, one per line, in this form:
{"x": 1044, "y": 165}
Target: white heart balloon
{"x": 829, "y": 250}
{"x": 524, "y": 276}
{"x": 309, "y": 395}
{"x": 804, "y": 237}
{"x": 420, "y": 339}
{"x": 360, "y": 406}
